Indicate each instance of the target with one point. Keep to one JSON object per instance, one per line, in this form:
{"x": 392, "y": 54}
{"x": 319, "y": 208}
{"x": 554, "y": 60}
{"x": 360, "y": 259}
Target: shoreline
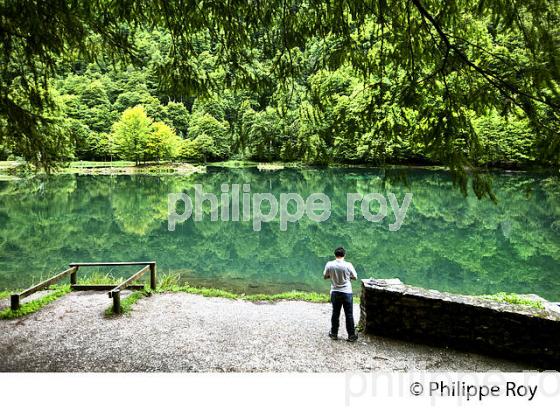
{"x": 14, "y": 170}
{"x": 171, "y": 285}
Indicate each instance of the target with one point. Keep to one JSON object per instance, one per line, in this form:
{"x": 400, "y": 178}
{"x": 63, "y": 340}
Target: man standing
{"x": 341, "y": 273}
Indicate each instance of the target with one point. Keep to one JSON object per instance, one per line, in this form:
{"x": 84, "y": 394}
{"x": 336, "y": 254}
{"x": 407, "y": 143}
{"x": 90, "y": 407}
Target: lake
{"x": 446, "y": 242}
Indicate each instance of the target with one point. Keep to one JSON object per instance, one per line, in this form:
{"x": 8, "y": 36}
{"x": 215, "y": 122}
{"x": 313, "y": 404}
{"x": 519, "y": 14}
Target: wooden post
{"x": 153, "y": 276}
{"x": 14, "y": 302}
{"x": 73, "y": 276}
{"x": 117, "y": 302}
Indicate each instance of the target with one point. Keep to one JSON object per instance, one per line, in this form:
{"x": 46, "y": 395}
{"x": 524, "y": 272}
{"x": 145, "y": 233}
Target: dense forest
{"x": 111, "y": 112}
{"x": 460, "y": 83}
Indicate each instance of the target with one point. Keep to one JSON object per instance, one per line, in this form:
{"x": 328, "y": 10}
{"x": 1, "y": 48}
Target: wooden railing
{"x": 114, "y": 291}
{"x": 16, "y": 298}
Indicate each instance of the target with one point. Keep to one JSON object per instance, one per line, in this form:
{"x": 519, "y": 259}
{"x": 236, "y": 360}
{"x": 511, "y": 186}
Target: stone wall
{"x": 443, "y": 319}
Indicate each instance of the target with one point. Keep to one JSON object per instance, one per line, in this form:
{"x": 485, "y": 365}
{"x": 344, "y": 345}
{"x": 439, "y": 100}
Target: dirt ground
{"x": 191, "y": 333}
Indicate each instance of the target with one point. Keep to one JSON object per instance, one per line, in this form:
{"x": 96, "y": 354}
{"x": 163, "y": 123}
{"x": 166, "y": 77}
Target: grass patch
{"x": 127, "y": 168}
{"x": 313, "y": 297}
{"x": 514, "y": 299}
{"x": 4, "y": 294}
{"x": 208, "y": 292}
{"x": 169, "y": 280}
{"x": 37, "y": 304}
{"x": 232, "y": 163}
{"x": 293, "y": 295}
{"x": 170, "y": 283}
{"x": 101, "y": 164}
{"x": 98, "y": 278}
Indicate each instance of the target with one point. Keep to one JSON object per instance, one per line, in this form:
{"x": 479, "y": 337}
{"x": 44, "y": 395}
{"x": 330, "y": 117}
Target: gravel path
{"x": 183, "y": 332}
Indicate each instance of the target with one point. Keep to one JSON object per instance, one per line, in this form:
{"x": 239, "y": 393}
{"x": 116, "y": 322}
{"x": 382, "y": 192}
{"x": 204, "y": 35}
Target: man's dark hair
{"x": 339, "y": 252}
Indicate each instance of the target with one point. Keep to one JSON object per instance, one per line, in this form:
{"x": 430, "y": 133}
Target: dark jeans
{"x": 342, "y": 300}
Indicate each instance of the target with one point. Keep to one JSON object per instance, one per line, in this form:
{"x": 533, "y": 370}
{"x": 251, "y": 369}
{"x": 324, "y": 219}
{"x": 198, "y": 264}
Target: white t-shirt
{"x": 340, "y": 273}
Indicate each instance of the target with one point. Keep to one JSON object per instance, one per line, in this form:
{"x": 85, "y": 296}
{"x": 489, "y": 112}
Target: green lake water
{"x": 447, "y": 242}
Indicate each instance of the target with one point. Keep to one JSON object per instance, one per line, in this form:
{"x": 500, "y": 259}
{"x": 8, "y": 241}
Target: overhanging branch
{"x": 490, "y": 76}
